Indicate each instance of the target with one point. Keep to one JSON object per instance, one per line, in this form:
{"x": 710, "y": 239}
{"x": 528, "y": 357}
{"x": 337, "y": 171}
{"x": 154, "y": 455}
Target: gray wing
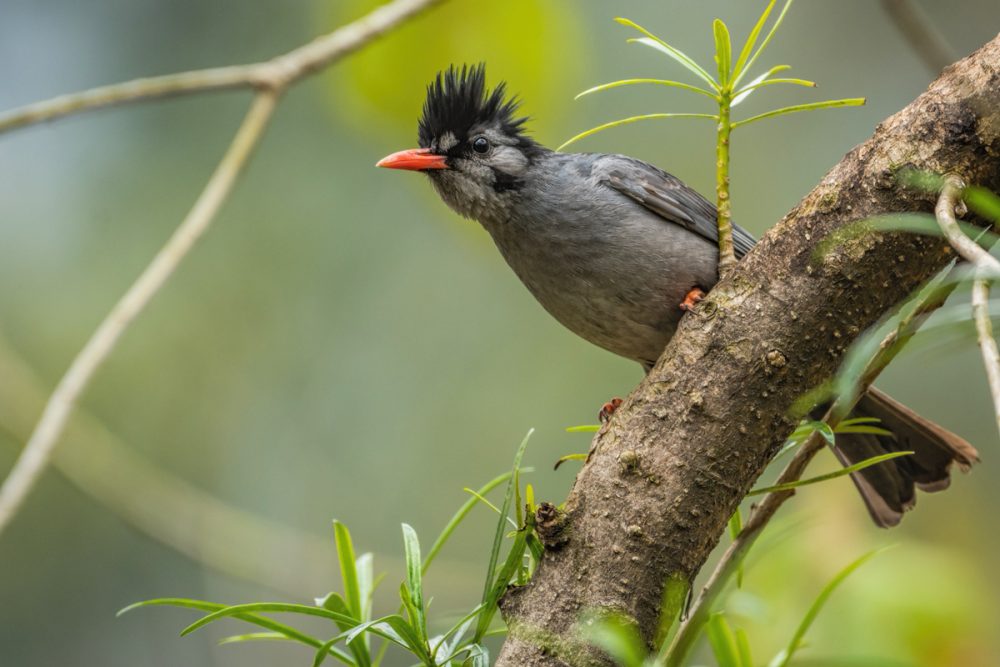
{"x": 666, "y": 196}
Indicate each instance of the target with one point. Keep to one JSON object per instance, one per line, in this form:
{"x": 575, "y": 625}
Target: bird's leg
{"x": 608, "y": 409}
{"x": 692, "y": 299}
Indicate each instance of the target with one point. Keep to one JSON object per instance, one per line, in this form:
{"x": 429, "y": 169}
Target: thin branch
{"x": 271, "y": 79}
{"x": 985, "y": 264}
{"x": 277, "y": 73}
{"x": 987, "y": 342}
{"x": 950, "y": 200}
{"x": 171, "y": 85}
{"x": 921, "y": 33}
{"x": 38, "y": 451}
{"x": 196, "y": 523}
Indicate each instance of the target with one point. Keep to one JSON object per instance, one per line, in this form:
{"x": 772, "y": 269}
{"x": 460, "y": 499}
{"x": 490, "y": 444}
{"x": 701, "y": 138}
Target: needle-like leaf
{"x": 782, "y": 659}
{"x": 745, "y": 91}
{"x": 723, "y": 641}
{"x": 767, "y": 40}
{"x": 675, "y": 53}
{"x": 658, "y": 82}
{"x": 751, "y": 41}
{"x": 584, "y": 428}
{"x": 723, "y": 51}
{"x": 828, "y": 104}
{"x": 242, "y": 609}
{"x": 861, "y": 465}
{"x": 633, "y": 119}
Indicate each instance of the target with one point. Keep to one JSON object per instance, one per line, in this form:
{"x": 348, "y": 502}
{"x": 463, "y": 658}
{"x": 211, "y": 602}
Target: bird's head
{"x": 472, "y": 145}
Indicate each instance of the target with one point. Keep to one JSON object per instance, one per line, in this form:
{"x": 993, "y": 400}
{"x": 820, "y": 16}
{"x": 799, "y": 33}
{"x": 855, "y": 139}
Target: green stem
{"x": 727, "y": 257}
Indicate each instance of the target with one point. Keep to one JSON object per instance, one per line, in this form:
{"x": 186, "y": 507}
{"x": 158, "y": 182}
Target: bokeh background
{"x": 343, "y": 346}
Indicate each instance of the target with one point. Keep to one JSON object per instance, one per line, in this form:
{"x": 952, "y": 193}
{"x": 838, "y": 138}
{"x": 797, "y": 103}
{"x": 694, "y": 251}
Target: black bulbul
{"x": 615, "y": 248}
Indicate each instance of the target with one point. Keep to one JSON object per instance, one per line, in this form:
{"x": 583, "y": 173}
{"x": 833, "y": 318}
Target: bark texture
{"x": 671, "y": 467}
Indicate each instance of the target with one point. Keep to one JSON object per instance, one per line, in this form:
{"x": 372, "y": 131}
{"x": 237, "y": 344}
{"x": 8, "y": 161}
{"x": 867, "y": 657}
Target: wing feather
{"x": 668, "y": 197}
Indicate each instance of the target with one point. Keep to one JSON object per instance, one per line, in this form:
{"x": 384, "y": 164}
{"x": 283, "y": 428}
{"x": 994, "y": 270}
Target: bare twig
{"x": 985, "y": 264}
{"x": 987, "y": 343}
{"x": 921, "y": 33}
{"x": 38, "y": 451}
{"x": 271, "y": 79}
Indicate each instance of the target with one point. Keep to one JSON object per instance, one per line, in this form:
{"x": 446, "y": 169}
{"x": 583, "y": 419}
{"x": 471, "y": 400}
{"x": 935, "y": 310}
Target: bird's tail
{"x": 888, "y": 488}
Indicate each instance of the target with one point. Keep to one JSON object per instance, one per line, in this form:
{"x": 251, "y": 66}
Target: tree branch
{"x": 277, "y": 73}
{"x": 763, "y": 512}
{"x": 272, "y": 79}
{"x": 705, "y": 422}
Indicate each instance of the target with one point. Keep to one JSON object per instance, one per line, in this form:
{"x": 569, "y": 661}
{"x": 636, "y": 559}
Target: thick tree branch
{"x": 764, "y": 511}
{"x": 706, "y": 421}
{"x": 271, "y": 79}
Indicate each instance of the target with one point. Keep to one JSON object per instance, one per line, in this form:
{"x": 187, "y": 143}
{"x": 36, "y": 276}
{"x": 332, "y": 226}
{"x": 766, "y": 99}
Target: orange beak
{"x": 415, "y": 159}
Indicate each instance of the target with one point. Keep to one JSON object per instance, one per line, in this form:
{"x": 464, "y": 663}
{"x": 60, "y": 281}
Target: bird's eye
{"x": 481, "y": 144}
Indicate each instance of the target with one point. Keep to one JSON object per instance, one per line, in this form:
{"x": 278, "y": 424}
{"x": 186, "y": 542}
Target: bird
{"x": 617, "y": 250}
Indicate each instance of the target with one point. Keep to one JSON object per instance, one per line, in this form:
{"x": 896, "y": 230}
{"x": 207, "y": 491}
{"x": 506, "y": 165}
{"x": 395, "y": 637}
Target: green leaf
{"x": 493, "y": 507}
{"x": 745, "y": 91}
{"x": 348, "y": 570}
{"x": 585, "y": 428}
{"x": 743, "y": 645}
{"x": 253, "y": 636}
{"x": 456, "y": 633}
{"x": 618, "y": 637}
{"x": 397, "y": 630}
{"x": 462, "y": 512}
{"x": 723, "y": 51}
{"x": 678, "y": 55}
{"x": 827, "y": 104}
{"x": 735, "y": 527}
{"x": 633, "y": 119}
{"x": 672, "y": 604}
{"x": 477, "y": 655}
{"x": 723, "y": 641}
{"x": 502, "y": 523}
{"x": 365, "y": 567}
{"x": 569, "y": 457}
{"x": 255, "y": 619}
{"x": 767, "y": 40}
{"x": 240, "y": 609}
{"x": 861, "y": 465}
{"x": 510, "y": 567}
{"x": 870, "y": 430}
{"x": 782, "y": 659}
{"x": 751, "y": 42}
{"x": 983, "y": 202}
{"x": 337, "y": 604}
{"x": 658, "y": 82}
{"x": 414, "y": 579}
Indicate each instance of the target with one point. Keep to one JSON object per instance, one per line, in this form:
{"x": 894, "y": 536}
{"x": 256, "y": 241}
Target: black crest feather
{"x": 457, "y": 100}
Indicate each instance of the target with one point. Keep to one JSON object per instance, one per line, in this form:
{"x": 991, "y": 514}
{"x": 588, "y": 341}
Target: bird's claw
{"x": 693, "y": 298}
{"x": 608, "y": 409}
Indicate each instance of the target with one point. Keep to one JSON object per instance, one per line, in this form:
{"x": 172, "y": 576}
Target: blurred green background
{"x": 342, "y": 345}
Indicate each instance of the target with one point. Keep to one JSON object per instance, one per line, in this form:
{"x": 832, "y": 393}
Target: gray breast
{"x": 605, "y": 267}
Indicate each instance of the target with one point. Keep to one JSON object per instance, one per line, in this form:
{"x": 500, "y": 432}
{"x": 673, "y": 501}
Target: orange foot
{"x": 692, "y": 299}
{"x": 608, "y": 409}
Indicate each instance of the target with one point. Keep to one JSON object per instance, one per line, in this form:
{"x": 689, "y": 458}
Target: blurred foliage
{"x": 514, "y": 38}
{"x": 343, "y": 346}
